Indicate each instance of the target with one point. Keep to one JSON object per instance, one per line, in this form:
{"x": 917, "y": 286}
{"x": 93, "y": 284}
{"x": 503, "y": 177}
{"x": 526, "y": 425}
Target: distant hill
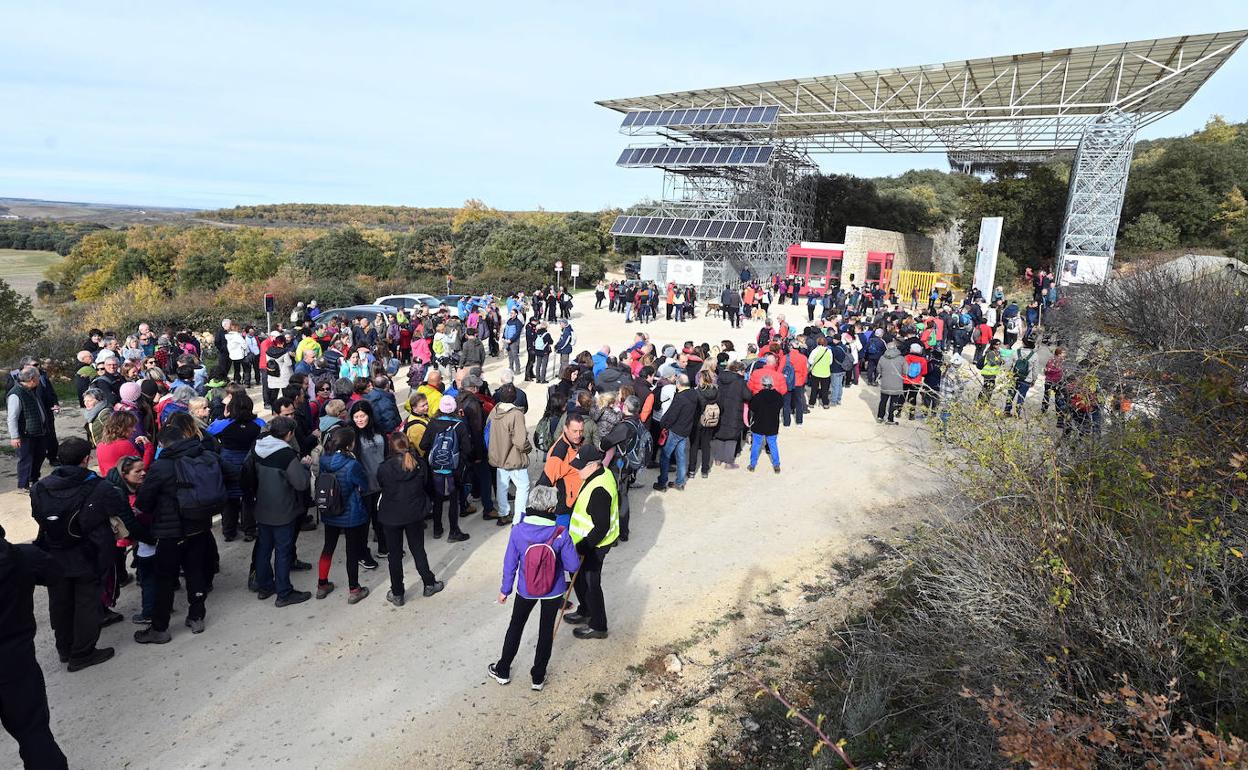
{"x": 111, "y": 215}
{"x": 354, "y": 215}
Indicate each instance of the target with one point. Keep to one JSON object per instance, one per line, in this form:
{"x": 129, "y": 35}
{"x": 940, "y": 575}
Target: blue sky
{"x": 224, "y": 103}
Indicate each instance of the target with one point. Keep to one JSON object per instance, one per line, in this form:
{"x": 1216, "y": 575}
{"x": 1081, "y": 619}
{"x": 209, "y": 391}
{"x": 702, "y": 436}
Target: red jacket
{"x": 777, "y": 379}
{"x": 983, "y": 334}
{"x": 911, "y": 360}
{"x": 801, "y": 367}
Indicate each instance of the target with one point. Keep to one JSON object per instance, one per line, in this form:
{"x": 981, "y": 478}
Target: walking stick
{"x": 563, "y": 605}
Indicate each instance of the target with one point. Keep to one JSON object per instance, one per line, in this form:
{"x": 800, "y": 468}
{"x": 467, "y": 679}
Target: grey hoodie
{"x": 892, "y": 369}
{"x": 282, "y": 482}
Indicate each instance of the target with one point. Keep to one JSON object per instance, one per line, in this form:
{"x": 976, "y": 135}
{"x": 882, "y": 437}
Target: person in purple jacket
{"x": 537, "y": 526}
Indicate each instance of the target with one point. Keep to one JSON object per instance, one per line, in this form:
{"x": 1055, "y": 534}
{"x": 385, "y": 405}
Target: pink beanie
{"x": 131, "y": 391}
{"x": 447, "y": 404}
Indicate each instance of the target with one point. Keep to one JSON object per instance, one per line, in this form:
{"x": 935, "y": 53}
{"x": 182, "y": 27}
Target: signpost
{"x": 576, "y": 273}
{"x": 558, "y": 272}
{"x": 270, "y": 305}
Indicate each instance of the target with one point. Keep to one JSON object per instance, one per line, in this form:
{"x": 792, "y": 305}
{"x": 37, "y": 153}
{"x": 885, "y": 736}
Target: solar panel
{"x": 697, "y": 156}
{"x": 692, "y": 229}
{"x": 723, "y": 116}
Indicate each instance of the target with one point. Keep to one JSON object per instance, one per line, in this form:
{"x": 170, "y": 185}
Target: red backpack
{"x": 541, "y": 565}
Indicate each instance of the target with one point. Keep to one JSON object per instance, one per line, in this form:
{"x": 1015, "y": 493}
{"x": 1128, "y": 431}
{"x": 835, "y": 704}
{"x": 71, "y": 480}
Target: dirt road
{"x": 324, "y": 684}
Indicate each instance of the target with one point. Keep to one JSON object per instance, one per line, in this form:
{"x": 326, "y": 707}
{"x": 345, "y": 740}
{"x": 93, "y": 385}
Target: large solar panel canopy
{"x": 1031, "y": 101}
{"x": 1022, "y": 108}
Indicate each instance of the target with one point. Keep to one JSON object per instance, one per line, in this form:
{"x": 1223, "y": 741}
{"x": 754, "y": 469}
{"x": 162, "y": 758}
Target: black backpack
{"x": 201, "y": 487}
{"x": 637, "y": 450}
{"x": 57, "y": 516}
{"x": 327, "y": 495}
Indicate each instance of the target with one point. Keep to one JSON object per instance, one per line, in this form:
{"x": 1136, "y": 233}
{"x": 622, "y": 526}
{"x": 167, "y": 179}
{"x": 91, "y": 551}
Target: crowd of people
{"x": 178, "y": 440}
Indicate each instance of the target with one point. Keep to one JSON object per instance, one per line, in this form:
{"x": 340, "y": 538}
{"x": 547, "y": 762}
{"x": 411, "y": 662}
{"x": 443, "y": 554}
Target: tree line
{"x": 39, "y": 235}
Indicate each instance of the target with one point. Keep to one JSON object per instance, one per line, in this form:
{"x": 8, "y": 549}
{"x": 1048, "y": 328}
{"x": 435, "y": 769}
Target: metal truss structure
{"x": 1025, "y": 108}
{"x": 1098, "y": 182}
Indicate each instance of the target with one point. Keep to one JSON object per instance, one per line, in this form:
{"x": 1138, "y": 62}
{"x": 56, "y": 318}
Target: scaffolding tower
{"x": 1098, "y": 182}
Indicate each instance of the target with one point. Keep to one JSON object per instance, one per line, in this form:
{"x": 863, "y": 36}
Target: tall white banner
{"x": 986, "y": 254}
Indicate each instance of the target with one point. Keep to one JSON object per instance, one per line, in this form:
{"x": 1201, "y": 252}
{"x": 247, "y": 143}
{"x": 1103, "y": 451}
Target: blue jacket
{"x": 385, "y": 410}
{"x": 526, "y": 533}
{"x": 600, "y": 363}
{"x": 352, "y": 484}
{"x": 564, "y": 345}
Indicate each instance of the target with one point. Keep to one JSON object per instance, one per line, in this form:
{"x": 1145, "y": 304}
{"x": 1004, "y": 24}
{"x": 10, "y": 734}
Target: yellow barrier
{"x": 908, "y": 280}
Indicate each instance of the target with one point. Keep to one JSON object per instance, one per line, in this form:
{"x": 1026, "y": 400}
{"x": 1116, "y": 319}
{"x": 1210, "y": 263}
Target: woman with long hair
{"x": 370, "y": 450}
{"x": 116, "y": 441}
{"x": 237, "y": 432}
{"x": 401, "y": 511}
{"x": 352, "y": 522}
{"x": 127, "y": 476}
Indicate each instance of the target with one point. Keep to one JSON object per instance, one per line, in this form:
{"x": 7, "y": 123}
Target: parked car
{"x": 632, "y": 269}
{"x": 410, "y": 301}
{"x": 356, "y": 311}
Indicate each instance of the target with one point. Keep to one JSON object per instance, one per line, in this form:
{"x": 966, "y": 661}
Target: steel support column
{"x": 1098, "y": 182}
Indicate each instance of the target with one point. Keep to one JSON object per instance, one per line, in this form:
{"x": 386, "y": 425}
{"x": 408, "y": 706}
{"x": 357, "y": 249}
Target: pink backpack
{"x": 541, "y": 564}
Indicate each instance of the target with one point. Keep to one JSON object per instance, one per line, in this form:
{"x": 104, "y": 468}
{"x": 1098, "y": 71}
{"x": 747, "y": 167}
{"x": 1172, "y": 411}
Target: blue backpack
{"x": 444, "y": 453}
{"x": 790, "y": 376}
{"x": 914, "y": 369}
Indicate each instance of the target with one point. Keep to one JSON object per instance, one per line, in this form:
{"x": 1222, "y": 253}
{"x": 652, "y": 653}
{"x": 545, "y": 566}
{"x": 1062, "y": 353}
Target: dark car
{"x": 356, "y": 311}
{"x": 632, "y": 269}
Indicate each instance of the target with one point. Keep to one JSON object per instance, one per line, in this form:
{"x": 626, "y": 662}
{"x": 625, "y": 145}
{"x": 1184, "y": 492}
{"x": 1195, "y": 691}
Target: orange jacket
{"x": 559, "y": 472}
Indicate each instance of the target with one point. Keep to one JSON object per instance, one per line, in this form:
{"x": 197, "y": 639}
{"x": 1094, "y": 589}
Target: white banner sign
{"x": 576, "y": 270}
{"x": 684, "y": 272}
{"x": 1077, "y": 269}
{"x": 652, "y": 267}
{"x": 986, "y": 254}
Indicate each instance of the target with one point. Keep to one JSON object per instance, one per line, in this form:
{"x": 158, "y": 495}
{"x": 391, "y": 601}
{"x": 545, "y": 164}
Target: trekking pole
{"x": 563, "y": 605}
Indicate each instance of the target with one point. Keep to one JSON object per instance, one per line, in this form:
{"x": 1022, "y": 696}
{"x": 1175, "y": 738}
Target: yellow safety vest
{"x": 581, "y": 523}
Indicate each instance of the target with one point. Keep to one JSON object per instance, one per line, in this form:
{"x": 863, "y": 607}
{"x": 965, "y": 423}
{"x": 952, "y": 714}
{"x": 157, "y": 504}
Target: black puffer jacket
{"x": 158, "y": 496}
{"x": 733, "y": 395}
{"x": 74, "y": 490}
{"x": 404, "y": 499}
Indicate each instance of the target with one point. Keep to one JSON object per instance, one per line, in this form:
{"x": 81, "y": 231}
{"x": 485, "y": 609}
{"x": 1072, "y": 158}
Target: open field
{"x": 108, "y": 214}
{"x": 24, "y": 269}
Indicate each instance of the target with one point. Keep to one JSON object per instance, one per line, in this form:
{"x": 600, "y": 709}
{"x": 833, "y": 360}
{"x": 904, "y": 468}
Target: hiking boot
{"x": 152, "y": 636}
{"x": 294, "y": 597}
{"x": 300, "y": 566}
{"x": 679, "y": 487}
{"x": 705, "y": 475}
{"x": 468, "y": 510}
{"x": 92, "y": 658}
{"x": 433, "y": 588}
{"x": 395, "y": 599}
{"x": 324, "y": 589}
{"x": 497, "y": 677}
{"x": 585, "y": 632}
{"x": 357, "y": 595}
{"x": 776, "y": 468}
{"x": 437, "y": 533}
{"x": 457, "y": 537}
{"x": 658, "y": 487}
{"x": 263, "y": 594}
{"x": 490, "y": 515}
{"x": 575, "y": 619}
{"x": 503, "y": 520}
{"x": 196, "y": 626}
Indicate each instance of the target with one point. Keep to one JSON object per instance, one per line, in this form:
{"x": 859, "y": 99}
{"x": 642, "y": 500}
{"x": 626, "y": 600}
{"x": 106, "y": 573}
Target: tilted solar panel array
{"x": 689, "y": 156}
{"x": 736, "y": 230}
{"x": 718, "y": 116}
